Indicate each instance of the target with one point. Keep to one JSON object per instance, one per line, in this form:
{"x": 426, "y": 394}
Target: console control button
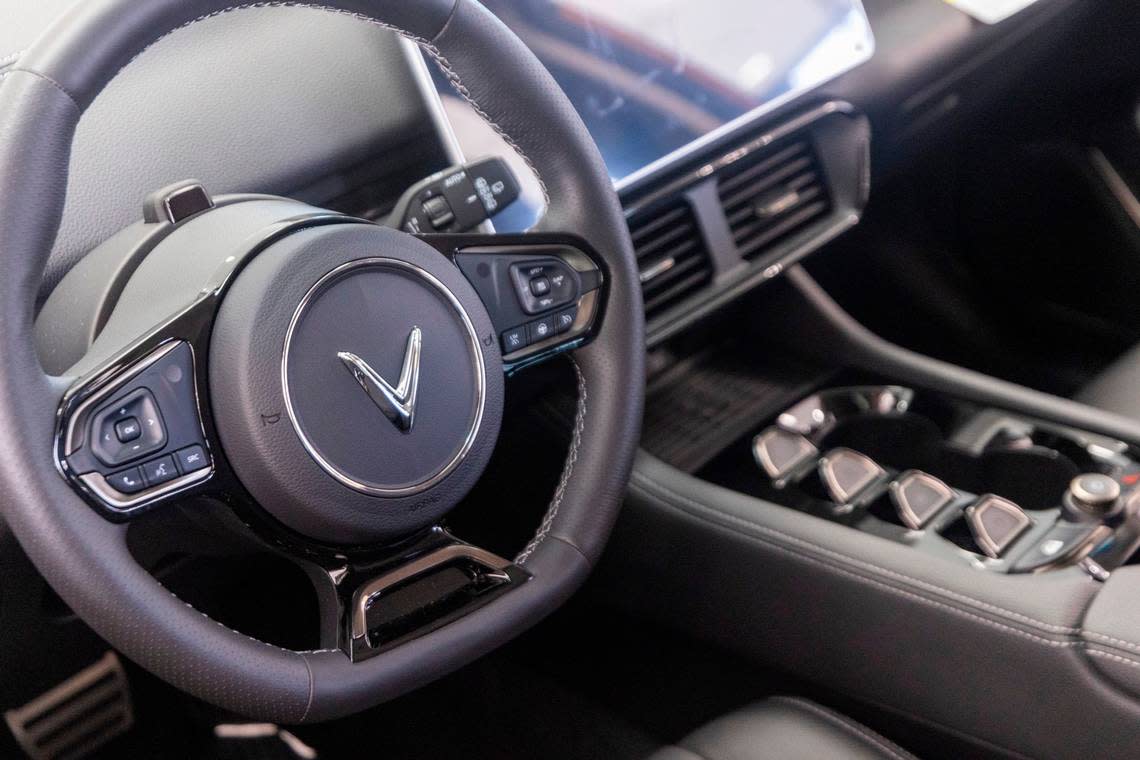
{"x": 128, "y": 481}
{"x": 558, "y": 282}
{"x": 996, "y": 523}
{"x": 780, "y": 453}
{"x": 1094, "y": 494}
{"x": 918, "y": 497}
{"x": 1057, "y": 546}
{"x": 114, "y": 438}
{"x": 159, "y": 471}
{"x": 847, "y": 474}
{"x": 192, "y": 458}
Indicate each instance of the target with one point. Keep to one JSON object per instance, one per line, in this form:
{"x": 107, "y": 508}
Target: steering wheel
{"x": 316, "y": 317}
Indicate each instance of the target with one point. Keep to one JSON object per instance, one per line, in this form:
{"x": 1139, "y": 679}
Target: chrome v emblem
{"x": 399, "y": 403}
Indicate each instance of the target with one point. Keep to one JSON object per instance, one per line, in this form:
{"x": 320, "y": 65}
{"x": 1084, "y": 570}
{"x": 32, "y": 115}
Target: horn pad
{"x": 356, "y": 383}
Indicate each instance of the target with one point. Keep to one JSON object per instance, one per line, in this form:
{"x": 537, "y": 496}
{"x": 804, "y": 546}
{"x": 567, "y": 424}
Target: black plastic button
{"x": 106, "y": 441}
{"x": 564, "y": 284}
{"x": 1056, "y": 546}
{"x": 918, "y": 497}
{"x": 127, "y": 430}
{"x": 539, "y": 286}
{"x": 438, "y": 212}
{"x": 514, "y": 339}
{"x": 158, "y": 471}
{"x": 192, "y": 458}
{"x": 128, "y": 481}
{"x": 996, "y": 523}
{"x": 780, "y": 452}
{"x": 540, "y": 329}
{"x": 564, "y": 319}
{"x": 847, "y": 474}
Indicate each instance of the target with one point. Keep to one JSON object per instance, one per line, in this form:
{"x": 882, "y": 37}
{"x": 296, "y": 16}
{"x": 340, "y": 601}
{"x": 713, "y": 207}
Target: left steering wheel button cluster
{"x": 139, "y": 436}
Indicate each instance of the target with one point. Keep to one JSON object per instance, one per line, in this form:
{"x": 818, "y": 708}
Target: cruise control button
{"x": 540, "y": 329}
{"x": 996, "y": 523}
{"x": 128, "y": 481}
{"x": 847, "y": 474}
{"x": 127, "y": 430}
{"x": 158, "y": 471}
{"x": 780, "y": 453}
{"x": 918, "y": 497}
{"x": 564, "y": 319}
{"x": 539, "y": 287}
{"x": 192, "y": 458}
{"x": 514, "y": 339}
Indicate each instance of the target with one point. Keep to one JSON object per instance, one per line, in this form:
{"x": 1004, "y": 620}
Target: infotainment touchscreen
{"x": 653, "y": 77}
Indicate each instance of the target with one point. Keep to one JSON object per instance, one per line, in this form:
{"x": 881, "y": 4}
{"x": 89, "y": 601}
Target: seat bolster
{"x": 786, "y": 728}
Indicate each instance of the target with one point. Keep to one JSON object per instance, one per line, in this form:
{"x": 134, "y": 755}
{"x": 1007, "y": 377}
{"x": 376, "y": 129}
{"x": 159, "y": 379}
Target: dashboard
{"x": 740, "y": 175}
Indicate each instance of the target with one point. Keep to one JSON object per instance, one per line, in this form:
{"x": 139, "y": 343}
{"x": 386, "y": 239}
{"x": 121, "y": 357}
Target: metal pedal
{"x": 78, "y": 716}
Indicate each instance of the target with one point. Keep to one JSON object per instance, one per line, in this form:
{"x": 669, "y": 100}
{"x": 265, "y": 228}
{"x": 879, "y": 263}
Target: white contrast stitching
{"x": 1119, "y": 642}
{"x": 850, "y": 726}
{"x": 567, "y": 471}
{"x": 647, "y": 485}
{"x": 428, "y": 46}
{"x": 1114, "y": 657}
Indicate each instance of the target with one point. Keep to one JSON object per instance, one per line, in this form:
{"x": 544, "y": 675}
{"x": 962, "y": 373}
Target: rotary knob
{"x": 1093, "y": 495}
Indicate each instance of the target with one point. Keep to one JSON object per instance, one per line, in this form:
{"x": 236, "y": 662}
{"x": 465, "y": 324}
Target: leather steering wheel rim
{"x": 85, "y": 558}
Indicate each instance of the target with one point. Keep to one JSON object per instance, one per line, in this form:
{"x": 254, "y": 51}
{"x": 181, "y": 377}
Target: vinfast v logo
{"x": 399, "y": 402}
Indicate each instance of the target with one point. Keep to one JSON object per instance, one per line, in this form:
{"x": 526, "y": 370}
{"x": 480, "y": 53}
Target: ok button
{"x": 127, "y": 430}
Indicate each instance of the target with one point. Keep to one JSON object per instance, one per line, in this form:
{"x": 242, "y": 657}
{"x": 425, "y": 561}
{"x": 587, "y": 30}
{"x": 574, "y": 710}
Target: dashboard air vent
{"x": 671, "y": 254}
{"x": 771, "y": 195}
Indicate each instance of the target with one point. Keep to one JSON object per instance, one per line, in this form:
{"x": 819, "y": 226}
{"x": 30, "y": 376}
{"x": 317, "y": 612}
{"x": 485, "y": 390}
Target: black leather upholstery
{"x": 783, "y": 728}
{"x": 1117, "y": 389}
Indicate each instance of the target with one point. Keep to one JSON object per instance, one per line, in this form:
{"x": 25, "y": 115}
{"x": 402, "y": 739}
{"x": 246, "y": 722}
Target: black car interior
{"x": 567, "y": 378}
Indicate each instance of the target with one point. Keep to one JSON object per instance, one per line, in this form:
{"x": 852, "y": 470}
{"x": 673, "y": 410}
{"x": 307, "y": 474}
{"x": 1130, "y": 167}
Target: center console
{"x": 971, "y": 484}
{"x": 945, "y": 545}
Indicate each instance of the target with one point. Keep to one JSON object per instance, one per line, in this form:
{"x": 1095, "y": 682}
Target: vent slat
{"x": 736, "y": 180}
{"x": 669, "y": 296}
{"x": 674, "y": 237}
{"x": 743, "y": 221}
{"x": 671, "y": 254}
{"x": 770, "y": 197}
{"x": 783, "y": 228}
{"x": 656, "y": 223}
{"x": 766, "y": 182}
{"x": 670, "y": 275}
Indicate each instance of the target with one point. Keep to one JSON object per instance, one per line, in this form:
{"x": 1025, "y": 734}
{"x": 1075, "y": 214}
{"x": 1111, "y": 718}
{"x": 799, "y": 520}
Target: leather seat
{"x": 785, "y": 728}
{"x": 1117, "y": 389}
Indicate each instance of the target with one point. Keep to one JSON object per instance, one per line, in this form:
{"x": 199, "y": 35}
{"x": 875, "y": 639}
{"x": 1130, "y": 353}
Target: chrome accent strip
{"x": 476, "y": 352}
{"x": 98, "y": 484}
{"x": 366, "y": 593}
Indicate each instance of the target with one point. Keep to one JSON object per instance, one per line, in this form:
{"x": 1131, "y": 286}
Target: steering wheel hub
{"x": 375, "y": 378}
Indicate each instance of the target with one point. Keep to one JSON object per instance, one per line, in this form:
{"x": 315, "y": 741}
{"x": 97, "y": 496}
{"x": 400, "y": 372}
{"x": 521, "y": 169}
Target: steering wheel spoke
{"x": 544, "y": 292}
{"x": 370, "y": 604}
